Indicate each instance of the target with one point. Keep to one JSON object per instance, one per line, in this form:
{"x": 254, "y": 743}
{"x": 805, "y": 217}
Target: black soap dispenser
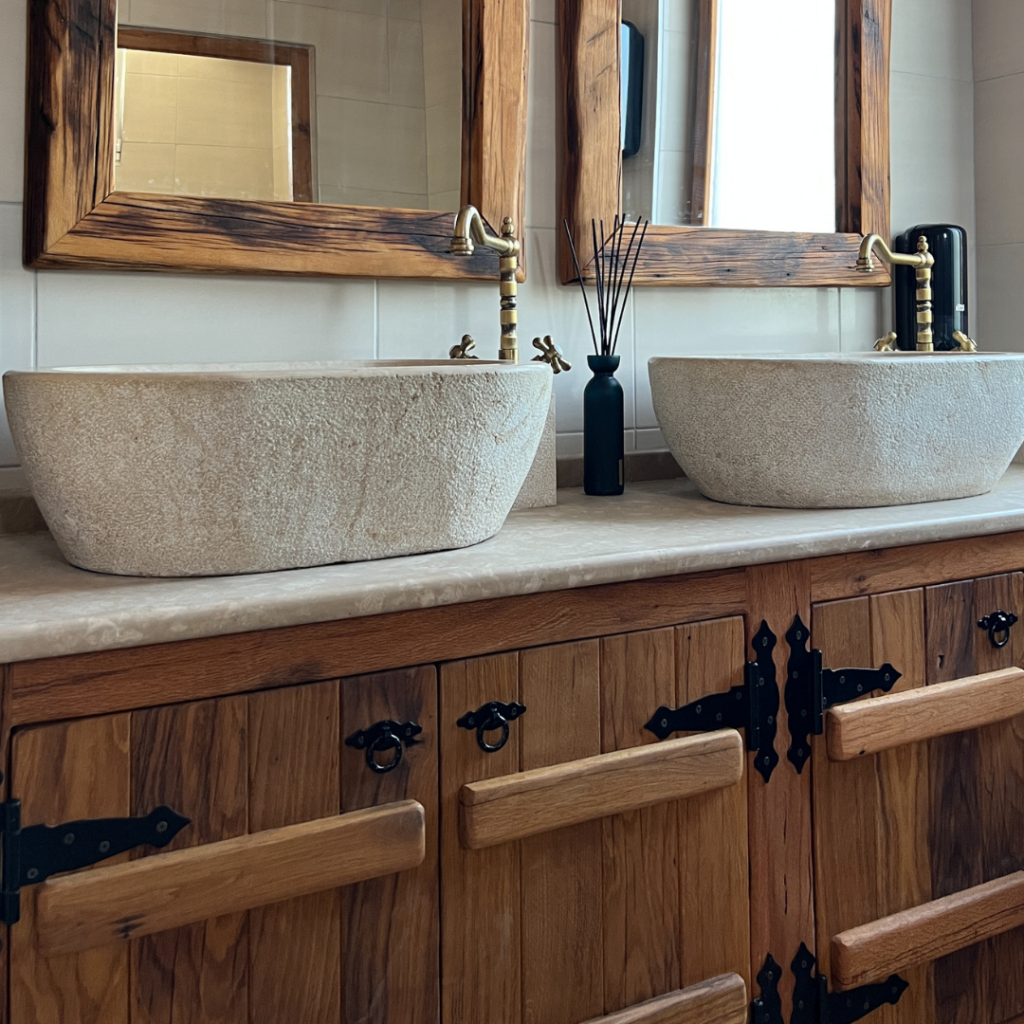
{"x": 948, "y": 244}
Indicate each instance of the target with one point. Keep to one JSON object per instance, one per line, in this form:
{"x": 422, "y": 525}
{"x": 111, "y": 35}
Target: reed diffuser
{"x": 603, "y": 447}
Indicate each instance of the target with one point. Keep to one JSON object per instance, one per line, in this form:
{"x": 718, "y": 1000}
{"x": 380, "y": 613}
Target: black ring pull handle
{"x": 488, "y": 717}
{"x": 998, "y": 625}
{"x": 384, "y": 736}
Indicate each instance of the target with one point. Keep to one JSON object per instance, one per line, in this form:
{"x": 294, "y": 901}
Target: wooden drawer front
{"x": 907, "y": 838}
{"x": 590, "y": 919}
{"x": 255, "y": 766}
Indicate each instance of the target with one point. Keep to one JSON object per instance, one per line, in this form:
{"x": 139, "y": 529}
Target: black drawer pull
{"x": 488, "y": 717}
{"x": 998, "y": 625}
{"x": 386, "y": 735}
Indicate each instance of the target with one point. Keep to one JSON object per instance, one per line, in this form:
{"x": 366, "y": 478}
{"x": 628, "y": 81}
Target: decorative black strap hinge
{"x": 767, "y": 1008}
{"x": 811, "y": 690}
{"x": 814, "y": 1004}
{"x": 33, "y": 854}
{"x": 753, "y": 707}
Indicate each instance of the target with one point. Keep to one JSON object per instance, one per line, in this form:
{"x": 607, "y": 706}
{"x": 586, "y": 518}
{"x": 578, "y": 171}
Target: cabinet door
{"x": 575, "y": 922}
{"x": 255, "y": 765}
{"x": 917, "y": 827}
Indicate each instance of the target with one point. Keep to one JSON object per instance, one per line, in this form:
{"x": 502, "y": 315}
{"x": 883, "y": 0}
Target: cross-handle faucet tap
{"x": 470, "y": 231}
{"x": 922, "y": 261}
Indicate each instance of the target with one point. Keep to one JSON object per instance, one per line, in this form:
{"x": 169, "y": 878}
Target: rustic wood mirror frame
{"x": 592, "y": 163}
{"x": 73, "y": 219}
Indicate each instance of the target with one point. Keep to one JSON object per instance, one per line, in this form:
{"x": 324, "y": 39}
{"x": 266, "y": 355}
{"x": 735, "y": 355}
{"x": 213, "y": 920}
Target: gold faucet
{"x": 922, "y": 261}
{"x": 470, "y": 231}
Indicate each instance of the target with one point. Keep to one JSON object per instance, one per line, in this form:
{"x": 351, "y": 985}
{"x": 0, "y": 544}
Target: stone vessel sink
{"x": 213, "y": 469}
{"x": 841, "y": 431}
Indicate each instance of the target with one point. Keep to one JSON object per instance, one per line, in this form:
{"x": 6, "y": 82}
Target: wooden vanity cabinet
{"x": 918, "y": 821}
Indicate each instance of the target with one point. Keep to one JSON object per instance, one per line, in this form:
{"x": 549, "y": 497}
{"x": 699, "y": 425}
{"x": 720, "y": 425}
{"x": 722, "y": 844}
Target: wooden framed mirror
{"x": 765, "y": 137}
{"x": 146, "y": 149}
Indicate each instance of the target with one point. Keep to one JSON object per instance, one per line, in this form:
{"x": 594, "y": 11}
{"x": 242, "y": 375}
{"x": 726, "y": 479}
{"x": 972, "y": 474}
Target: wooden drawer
{"x": 577, "y": 884}
{"x": 932, "y": 810}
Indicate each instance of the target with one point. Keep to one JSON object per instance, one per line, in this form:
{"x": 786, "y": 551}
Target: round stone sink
{"x": 841, "y": 431}
{"x": 199, "y": 470}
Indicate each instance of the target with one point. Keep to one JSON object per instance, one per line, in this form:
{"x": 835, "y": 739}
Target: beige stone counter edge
{"x": 48, "y": 608}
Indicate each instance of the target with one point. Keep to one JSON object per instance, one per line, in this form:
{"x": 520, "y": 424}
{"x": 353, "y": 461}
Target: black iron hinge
{"x": 33, "y": 854}
{"x": 814, "y": 1004}
{"x": 811, "y": 690}
{"x": 767, "y": 1008}
{"x": 753, "y": 707}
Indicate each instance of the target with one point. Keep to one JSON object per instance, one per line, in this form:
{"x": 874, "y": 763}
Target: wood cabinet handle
{"x": 881, "y": 723}
{"x": 925, "y": 933}
{"x": 721, "y": 1000}
{"x": 124, "y": 901}
{"x": 544, "y": 799}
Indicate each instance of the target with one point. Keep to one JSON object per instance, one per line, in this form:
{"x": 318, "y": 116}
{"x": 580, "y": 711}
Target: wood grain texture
{"x": 893, "y": 720}
{"x": 714, "y": 869}
{"x": 675, "y": 255}
{"x": 480, "y": 906}
{"x": 294, "y": 777}
{"x": 88, "y": 684}
{"x": 642, "y": 909}
{"x": 156, "y": 894}
{"x": 889, "y": 569}
{"x": 390, "y": 942}
{"x": 561, "y": 871}
{"x": 721, "y": 1000}
{"x": 533, "y": 802}
{"x": 923, "y": 934}
{"x": 779, "y": 812}
{"x": 65, "y": 772}
{"x": 74, "y": 221}
{"x": 5, "y": 759}
{"x": 193, "y": 757}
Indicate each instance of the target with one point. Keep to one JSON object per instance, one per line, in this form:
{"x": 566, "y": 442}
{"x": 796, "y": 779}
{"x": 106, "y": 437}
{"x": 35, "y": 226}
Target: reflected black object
{"x": 948, "y": 244}
{"x": 632, "y": 99}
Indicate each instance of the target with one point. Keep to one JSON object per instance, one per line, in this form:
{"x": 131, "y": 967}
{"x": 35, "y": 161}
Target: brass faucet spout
{"x": 471, "y": 231}
{"x": 922, "y": 261}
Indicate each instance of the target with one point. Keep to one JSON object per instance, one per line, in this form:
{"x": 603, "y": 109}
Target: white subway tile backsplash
{"x": 17, "y": 326}
{"x": 164, "y": 318}
{"x": 865, "y": 315}
{"x": 544, "y": 10}
{"x": 933, "y": 37}
{"x": 1000, "y": 148}
{"x": 998, "y": 31}
{"x": 542, "y": 132}
{"x": 650, "y": 440}
{"x": 997, "y": 325}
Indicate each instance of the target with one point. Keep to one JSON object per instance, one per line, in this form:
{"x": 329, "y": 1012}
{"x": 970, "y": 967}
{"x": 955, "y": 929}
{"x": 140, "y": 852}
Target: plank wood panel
{"x": 545, "y": 799}
{"x": 779, "y": 812}
{"x": 193, "y": 757}
{"x": 66, "y": 772}
{"x": 480, "y": 893}
{"x": 890, "y": 569}
{"x": 294, "y": 764}
{"x": 94, "y": 683}
{"x": 893, "y": 720}
{"x": 156, "y": 894}
{"x": 714, "y": 870}
{"x": 74, "y": 221}
{"x": 721, "y": 1000}
{"x": 872, "y": 951}
{"x": 641, "y": 900}
{"x": 902, "y": 864}
{"x": 846, "y": 807}
{"x": 561, "y": 871}
{"x": 390, "y": 925}
{"x": 5, "y": 759}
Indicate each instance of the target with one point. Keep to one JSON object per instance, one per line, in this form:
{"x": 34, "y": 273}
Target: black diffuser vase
{"x": 602, "y": 428}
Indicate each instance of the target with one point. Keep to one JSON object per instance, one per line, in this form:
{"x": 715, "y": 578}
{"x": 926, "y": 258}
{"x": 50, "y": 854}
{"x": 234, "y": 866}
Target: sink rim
{"x": 853, "y": 358}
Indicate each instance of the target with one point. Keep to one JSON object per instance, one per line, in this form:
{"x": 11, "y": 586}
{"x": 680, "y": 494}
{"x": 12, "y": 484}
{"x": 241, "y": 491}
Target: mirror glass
{"x": 357, "y": 102}
{"x": 728, "y": 113}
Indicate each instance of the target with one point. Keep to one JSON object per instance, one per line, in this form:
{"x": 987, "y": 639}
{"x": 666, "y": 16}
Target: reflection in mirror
{"x": 357, "y": 102}
{"x": 737, "y": 119}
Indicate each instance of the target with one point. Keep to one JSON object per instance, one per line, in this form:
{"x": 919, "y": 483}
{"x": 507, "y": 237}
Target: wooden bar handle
{"x": 124, "y": 901}
{"x": 721, "y": 1000}
{"x": 873, "y": 951}
{"x": 544, "y": 799}
{"x": 880, "y": 723}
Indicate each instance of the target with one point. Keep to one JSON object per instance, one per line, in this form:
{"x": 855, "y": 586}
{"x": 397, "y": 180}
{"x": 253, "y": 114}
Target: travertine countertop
{"x": 48, "y": 608}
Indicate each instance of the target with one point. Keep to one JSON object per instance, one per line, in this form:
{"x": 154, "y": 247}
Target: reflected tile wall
{"x": 60, "y": 317}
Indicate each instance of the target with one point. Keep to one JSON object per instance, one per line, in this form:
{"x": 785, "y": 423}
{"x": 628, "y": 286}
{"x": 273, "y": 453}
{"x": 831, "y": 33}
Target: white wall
{"x": 58, "y": 317}
{"x": 999, "y": 148}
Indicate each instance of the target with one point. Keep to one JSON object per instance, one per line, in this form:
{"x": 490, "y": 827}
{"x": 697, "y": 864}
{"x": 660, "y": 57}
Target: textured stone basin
{"x": 841, "y": 431}
{"x": 218, "y": 469}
